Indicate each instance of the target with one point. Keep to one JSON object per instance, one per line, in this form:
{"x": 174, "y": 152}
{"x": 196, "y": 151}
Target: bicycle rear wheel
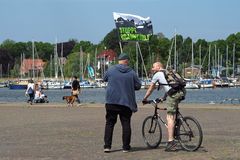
{"x": 190, "y": 134}
{"x": 151, "y": 132}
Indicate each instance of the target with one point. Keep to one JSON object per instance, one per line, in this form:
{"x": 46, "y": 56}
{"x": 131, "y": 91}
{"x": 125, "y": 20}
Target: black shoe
{"x": 171, "y": 145}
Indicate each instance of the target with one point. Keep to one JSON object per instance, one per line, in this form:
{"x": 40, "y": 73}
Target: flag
{"x": 133, "y": 27}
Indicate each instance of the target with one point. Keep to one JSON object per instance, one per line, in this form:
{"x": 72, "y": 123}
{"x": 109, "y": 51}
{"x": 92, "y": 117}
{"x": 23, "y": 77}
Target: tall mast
{"x": 56, "y": 60}
{"x": 215, "y": 58}
{"x": 209, "y": 53}
{"x": 218, "y": 61}
{"x": 95, "y": 63}
{"x": 175, "y": 51}
{"x": 33, "y": 65}
{"x": 20, "y": 66}
{"x": 192, "y": 59}
{"x": 136, "y": 58}
{"x": 61, "y": 62}
{"x": 227, "y": 61}
{"x": 233, "y": 60}
{"x": 200, "y": 59}
{"x": 51, "y": 63}
{"x": 81, "y": 63}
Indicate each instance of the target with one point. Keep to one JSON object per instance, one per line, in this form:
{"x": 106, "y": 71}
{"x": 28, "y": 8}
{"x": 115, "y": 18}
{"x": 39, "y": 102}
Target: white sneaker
{"x": 125, "y": 151}
{"x": 107, "y": 150}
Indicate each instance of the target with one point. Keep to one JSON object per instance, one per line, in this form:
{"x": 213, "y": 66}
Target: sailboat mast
{"x": 192, "y": 59}
{"x": 218, "y": 61}
{"x": 233, "y": 60}
{"x": 215, "y": 58}
{"x": 95, "y": 63}
{"x": 81, "y": 63}
{"x": 61, "y": 62}
{"x": 33, "y": 65}
{"x": 175, "y": 51}
{"x": 20, "y": 66}
{"x": 227, "y": 61}
{"x": 51, "y": 63}
{"x": 209, "y": 54}
{"x": 200, "y": 63}
{"x": 56, "y": 60}
{"x": 136, "y": 58}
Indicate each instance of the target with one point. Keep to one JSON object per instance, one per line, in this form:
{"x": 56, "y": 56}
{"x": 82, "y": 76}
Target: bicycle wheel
{"x": 151, "y": 132}
{"x": 190, "y": 134}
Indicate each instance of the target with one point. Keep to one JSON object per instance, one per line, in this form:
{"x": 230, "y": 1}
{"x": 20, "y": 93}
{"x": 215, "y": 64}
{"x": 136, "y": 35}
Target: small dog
{"x": 70, "y": 100}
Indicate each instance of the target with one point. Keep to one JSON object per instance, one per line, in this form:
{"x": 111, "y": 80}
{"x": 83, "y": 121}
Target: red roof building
{"x": 109, "y": 55}
{"x": 27, "y": 65}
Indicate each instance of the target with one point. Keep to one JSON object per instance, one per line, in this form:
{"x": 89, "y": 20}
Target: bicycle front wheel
{"x": 151, "y": 132}
{"x": 190, "y": 134}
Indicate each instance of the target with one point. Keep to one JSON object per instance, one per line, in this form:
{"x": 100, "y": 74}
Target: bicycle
{"x": 187, "y": 130}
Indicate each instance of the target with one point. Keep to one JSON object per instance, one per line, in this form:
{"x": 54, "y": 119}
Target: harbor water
{"x": 97, "y": 95}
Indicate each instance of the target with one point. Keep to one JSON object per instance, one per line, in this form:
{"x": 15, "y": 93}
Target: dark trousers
{"x": 31, "y": 97}
{"x": 77, "y": 98}
{"x": 125, "y": 114}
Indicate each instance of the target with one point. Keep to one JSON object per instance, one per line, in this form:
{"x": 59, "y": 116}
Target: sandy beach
{"x": 55, "y": 131}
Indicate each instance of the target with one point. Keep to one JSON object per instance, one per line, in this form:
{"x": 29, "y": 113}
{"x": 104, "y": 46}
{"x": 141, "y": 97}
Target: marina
{"x": 97, "y": 95}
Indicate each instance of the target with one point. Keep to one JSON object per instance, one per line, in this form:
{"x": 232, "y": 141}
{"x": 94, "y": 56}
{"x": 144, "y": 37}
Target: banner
{"x": 133, "y": 27}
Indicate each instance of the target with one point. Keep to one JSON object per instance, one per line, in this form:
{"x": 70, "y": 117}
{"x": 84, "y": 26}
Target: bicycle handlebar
{"x": 156, "y": 101}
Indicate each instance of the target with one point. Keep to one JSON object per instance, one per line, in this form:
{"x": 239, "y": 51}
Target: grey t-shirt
{"x": 159, "y": 76}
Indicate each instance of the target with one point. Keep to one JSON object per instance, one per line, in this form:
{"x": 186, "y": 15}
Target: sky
{"x": 91, "y": 20}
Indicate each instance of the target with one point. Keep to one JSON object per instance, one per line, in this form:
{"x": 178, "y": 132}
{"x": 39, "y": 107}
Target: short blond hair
{"x": 158, "y": 64}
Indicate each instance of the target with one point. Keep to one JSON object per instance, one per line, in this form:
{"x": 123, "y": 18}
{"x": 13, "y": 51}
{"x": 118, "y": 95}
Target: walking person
{"x": 30, "y": 91}
{"x": 173, "y": 99}
{"x": 120, "y": 100}
{"x": 75, "y": 89}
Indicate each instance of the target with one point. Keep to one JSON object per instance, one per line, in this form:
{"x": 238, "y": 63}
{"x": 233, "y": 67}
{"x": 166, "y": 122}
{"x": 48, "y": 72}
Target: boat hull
{"x": 17, "y": 86}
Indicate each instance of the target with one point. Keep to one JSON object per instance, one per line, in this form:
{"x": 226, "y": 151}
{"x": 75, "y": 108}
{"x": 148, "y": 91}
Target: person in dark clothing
{"x": 76, "y": 88}
{"x": 120, "y": 100}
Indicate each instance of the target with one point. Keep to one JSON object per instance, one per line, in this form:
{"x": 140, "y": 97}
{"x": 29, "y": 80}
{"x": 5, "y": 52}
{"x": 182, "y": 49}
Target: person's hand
{"x": 144, "y": 101}
{"x": 158, "y": 100}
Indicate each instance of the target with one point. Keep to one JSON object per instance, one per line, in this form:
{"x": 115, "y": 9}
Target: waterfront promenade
{"x": 54, "y": 131}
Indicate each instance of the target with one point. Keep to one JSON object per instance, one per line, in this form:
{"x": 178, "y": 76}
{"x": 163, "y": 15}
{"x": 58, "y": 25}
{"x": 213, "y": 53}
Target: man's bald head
{"x": 157, "y": 66}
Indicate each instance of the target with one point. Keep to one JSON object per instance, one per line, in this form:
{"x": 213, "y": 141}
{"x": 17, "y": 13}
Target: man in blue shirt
{"x": 120, "y": 100}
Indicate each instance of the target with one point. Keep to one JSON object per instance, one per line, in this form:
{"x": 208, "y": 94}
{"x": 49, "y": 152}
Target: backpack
{"x": 175, "y": 81}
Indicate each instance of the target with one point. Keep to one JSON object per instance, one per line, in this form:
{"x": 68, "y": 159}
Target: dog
{"x": 70, "y": 100}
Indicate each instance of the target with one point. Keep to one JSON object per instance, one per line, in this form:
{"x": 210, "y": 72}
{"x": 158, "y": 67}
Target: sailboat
{"x": 192, "y": 83}
{"x": 55, "y": 83}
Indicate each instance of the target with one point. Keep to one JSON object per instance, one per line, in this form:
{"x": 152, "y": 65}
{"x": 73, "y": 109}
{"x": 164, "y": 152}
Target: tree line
{"x": 158, "y": 48}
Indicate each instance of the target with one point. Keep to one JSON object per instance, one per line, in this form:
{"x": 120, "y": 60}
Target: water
{"x": 97, "y": 95}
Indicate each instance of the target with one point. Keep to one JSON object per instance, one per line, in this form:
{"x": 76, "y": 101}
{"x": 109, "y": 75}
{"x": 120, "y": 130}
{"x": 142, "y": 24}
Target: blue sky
{"x": 46, "y": 20}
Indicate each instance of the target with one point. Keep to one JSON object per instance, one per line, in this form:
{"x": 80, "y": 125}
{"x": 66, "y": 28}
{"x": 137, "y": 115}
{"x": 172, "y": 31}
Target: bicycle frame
{"x": 179, "y": 117}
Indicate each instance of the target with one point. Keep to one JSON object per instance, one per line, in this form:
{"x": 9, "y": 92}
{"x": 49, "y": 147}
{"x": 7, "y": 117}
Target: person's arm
{"x": 149, "y": 91}
{"x": 137, "y": 83}
{"x": 27, "y": 89}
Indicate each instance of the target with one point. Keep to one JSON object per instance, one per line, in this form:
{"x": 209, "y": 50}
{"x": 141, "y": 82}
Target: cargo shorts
{"x": 173, "y": 101}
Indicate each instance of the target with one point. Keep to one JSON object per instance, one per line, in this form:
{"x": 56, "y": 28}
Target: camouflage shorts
{"x": 173, "y": 101}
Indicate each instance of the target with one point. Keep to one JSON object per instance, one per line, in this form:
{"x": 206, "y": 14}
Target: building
{"x": 27, "y": 66}
{"x": 192, "y": 72}
{"x": 104, "y": 59}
